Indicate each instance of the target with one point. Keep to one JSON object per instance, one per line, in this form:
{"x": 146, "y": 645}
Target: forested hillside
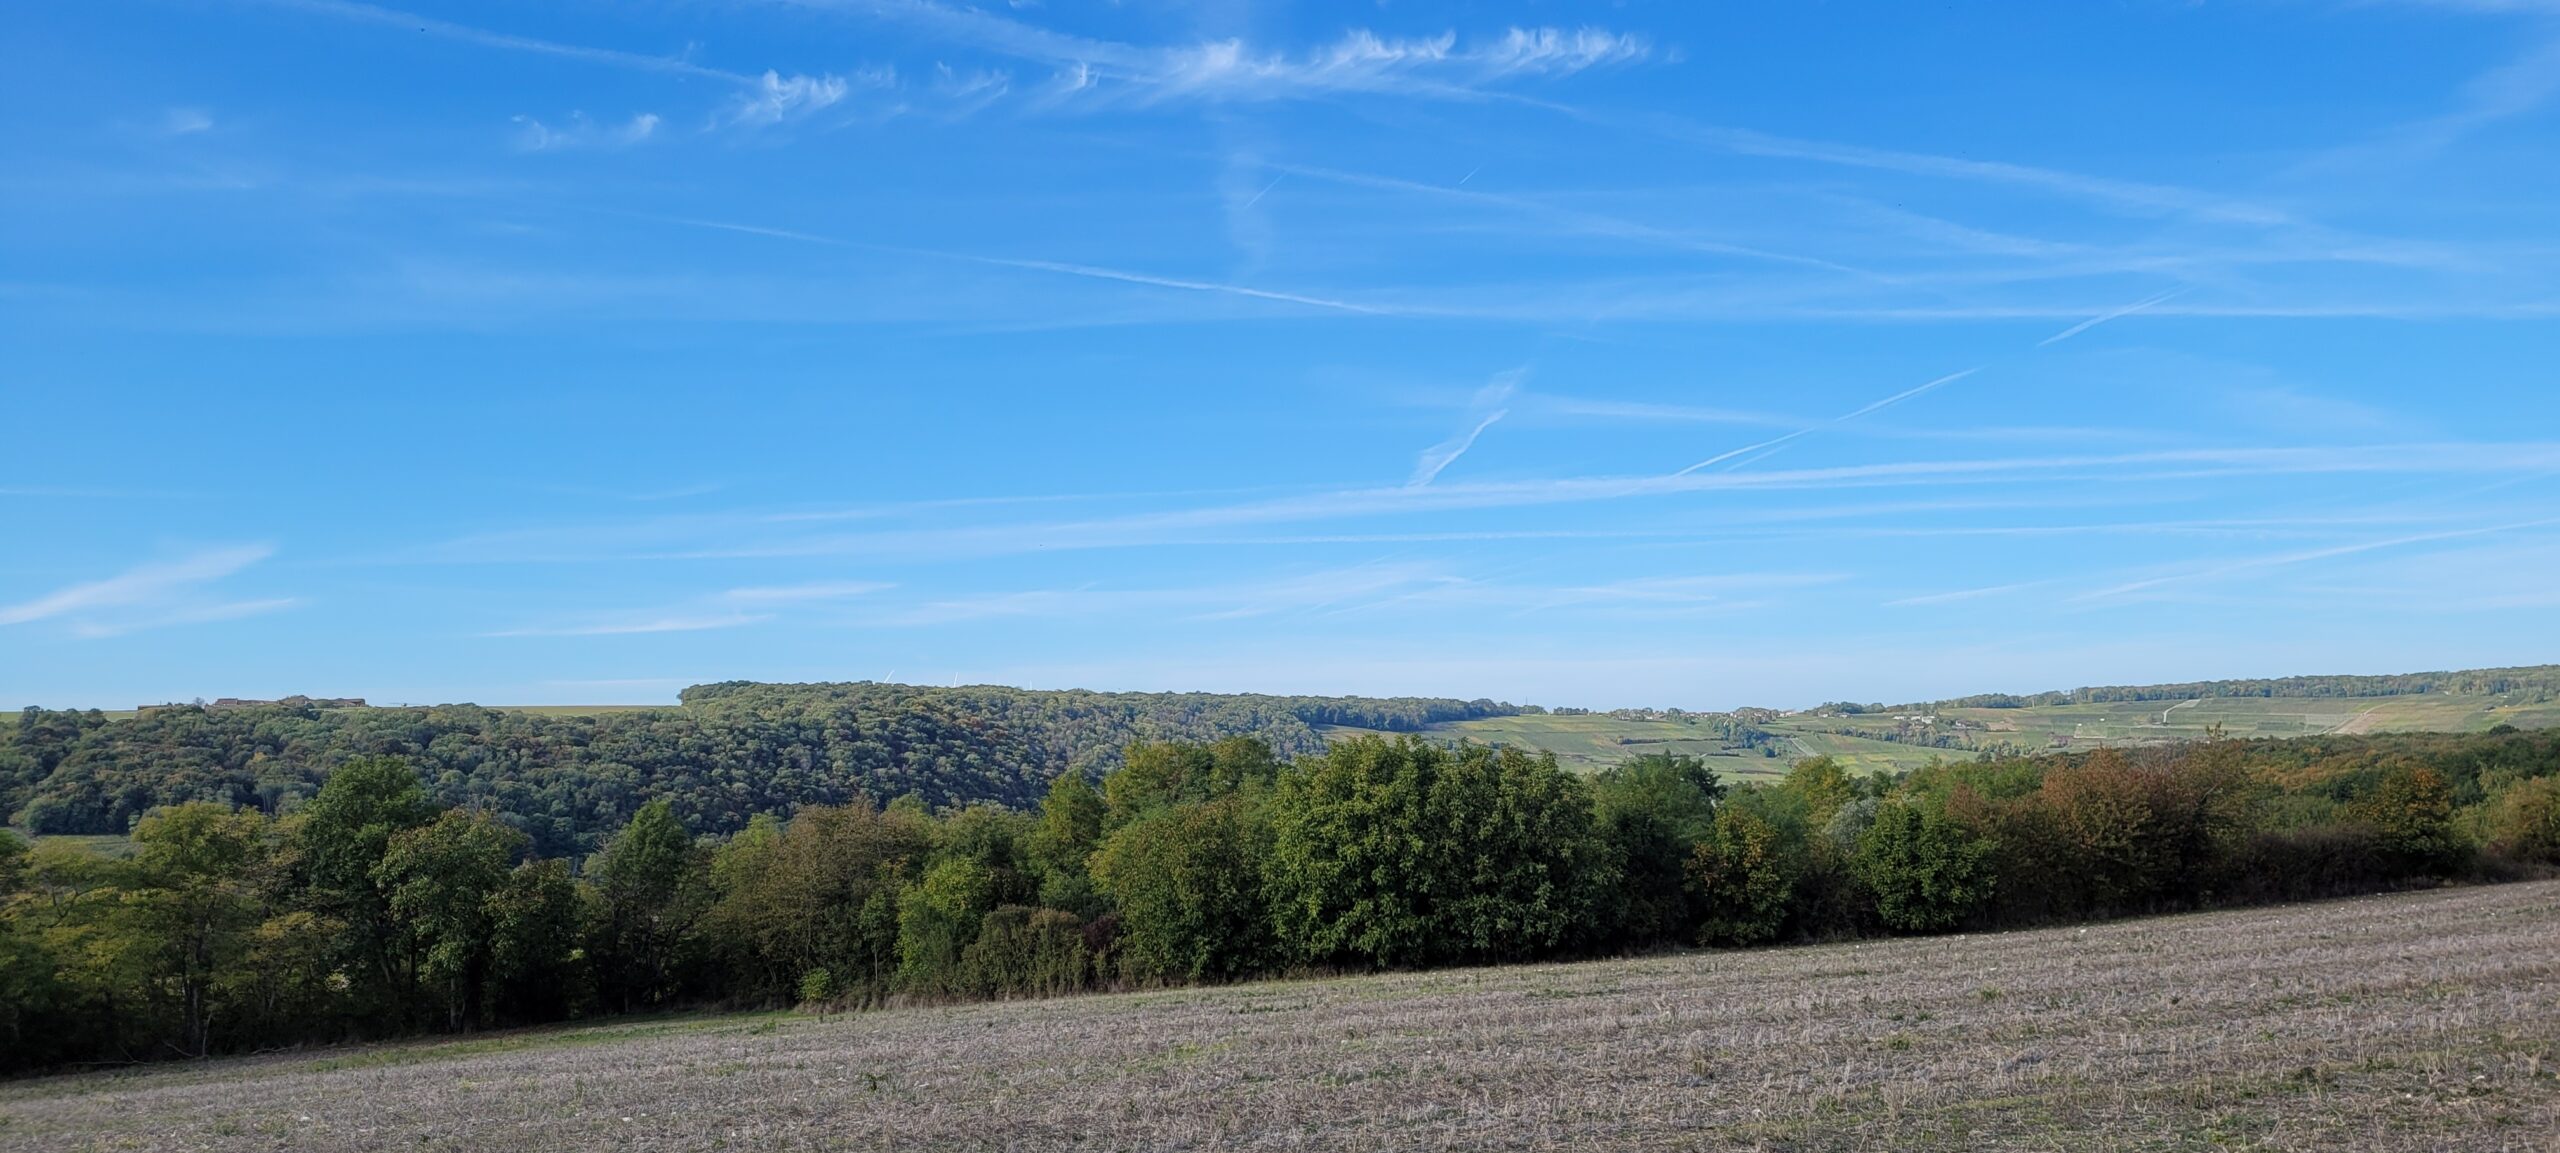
{"x": 730, "y": 751}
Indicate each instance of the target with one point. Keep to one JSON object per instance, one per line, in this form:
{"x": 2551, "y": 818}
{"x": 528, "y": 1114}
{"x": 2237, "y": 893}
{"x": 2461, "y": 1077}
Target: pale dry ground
{"x": 2424, "y": 1021}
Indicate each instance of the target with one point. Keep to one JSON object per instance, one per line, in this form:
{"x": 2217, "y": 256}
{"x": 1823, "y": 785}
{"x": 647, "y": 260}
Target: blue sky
{"x": 1660, "y": 354}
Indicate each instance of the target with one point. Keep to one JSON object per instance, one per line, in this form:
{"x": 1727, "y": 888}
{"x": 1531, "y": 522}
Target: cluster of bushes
{"x": 369, "y": 911}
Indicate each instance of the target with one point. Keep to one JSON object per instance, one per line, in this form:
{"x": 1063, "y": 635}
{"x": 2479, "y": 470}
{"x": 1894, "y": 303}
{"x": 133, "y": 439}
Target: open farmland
{"x": 1588, "y": 742}
{"x": 1897, "y": 740}
{"x": 2412, "y": 1022}
{"x": 2118, "y": 722}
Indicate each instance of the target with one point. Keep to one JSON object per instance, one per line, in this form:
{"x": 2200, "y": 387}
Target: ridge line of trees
{"x": 372, "y": 911}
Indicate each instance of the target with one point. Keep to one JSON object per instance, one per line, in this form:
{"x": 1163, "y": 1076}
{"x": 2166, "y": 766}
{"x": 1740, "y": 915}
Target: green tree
{"x": 192, "y": 893}
{"x": 1740, "y": 879}
{"x": 30, "y": 990}
{"x": 1187, "y": 884}
{"x": 1821, "y": 786}
{"x": 937, "y": 919}
{"x": 1927, "y": 871}
{"x": 1063, "y": 843}
{"x": 343, "y": 834}
{"x": 2411, "y": 811}
{"x": 1652, "y": 810}
{"x": 1402, "y": 853}
{"x": 650, "y": 891}
{"x": 444, "y": 880}
{"x": 1163, "y": 774}
{"x": 820, "y": 892}
{"x": 2524, "y": 821}
{"x": 536, "y": 966}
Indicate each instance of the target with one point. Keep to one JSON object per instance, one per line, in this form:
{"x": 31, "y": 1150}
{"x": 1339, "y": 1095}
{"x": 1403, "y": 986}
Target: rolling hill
{"x": 732, "y": 750}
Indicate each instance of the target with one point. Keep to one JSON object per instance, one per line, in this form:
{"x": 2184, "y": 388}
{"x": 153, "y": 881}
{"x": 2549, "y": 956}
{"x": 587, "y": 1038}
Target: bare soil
{"x": 2425, "y": 1021}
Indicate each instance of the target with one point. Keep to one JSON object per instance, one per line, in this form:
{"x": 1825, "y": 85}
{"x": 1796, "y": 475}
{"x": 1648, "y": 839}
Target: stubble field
{"x": 2418, "y": 1021}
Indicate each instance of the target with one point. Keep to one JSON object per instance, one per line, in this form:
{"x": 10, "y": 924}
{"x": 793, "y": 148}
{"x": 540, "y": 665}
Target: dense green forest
{"x": 373, "y": 909}
{"x": 730, "y": 752}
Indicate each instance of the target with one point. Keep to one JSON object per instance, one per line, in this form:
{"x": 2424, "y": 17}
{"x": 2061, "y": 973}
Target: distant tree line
{"x": 731, "y": 752}
{"x": 373, "y": 909}
{"x": 2540, "y": 682}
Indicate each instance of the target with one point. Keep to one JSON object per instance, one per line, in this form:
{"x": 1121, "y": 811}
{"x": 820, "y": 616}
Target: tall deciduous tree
{"x": 1652, "y": 811}
{"x": 443, "y": 880}
{"x": 193, "y": 895}
{"x": 345, "y": 831}
{"x": 650, "y": 891}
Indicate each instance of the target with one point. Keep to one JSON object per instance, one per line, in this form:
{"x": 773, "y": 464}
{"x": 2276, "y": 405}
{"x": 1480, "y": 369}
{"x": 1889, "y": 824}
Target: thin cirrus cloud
{"x": 1083, "y": 271}
{"x": 152, "y": 595}
{"x": 1362, "y": 61}
{"x": 764, "y": 98}
{"x": 1355, "y": 590}
{"x": 804, "y": 593}
{"x": 756, "y": 537}
{"x": 581, "y": 133}
{"x": 1217, "y": 70}
{"x": 729, "y": 609}
{"x": 1231, "y": 69}
{"x": 774, "y": 98}
{"x": 631, "y": 626}
{"x": 1483, "y": 411}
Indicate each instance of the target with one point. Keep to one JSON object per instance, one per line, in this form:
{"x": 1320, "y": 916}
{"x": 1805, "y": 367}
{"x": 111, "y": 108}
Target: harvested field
{"x": 2420, "y": 1021}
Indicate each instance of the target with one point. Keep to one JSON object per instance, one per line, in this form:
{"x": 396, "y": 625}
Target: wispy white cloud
{"x": 1775, "y": 442}
{"x": 966, "y": 90}
{"x": 2508, "y": 90}
{"x": 149, "y": 595}
{"x": 774, "y": 98}
{"x": 2129, "y": 195}
{"x": 1062, "y": 268}
{"x": 1324, "y": 589}
{"x": 187, "y": 615}
{"x": 2282, "y": 560}
{"x": 1545, "y": 402}
{"x": 1441, "y": 65}
{"x": 1963, "y": 594}
{"x": 2104, "y": 317}
{"x": 803, "y": 593}
{"x": 1573, "y": 221}
{"x": 727, "y": 609}
{"x": 1362, "y": 61}
{"x": 1216, "y": 523}
{"x": 579, "y": 133}
{"x": 185, "y": 122}
{"x": 412, "y": 23}
{"x": 1482, "y": 412}
{"x": 625, "y": 626}
{"x": 1358, "y": 589}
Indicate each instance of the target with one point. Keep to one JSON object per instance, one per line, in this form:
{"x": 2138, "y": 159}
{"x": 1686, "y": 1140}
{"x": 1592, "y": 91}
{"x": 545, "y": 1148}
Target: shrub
{"x": 2411, "y": 813}
{"x": 2524, "y": 824}
{"x": 1025, "y": 951}
{"x": 2310, "y": 864}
